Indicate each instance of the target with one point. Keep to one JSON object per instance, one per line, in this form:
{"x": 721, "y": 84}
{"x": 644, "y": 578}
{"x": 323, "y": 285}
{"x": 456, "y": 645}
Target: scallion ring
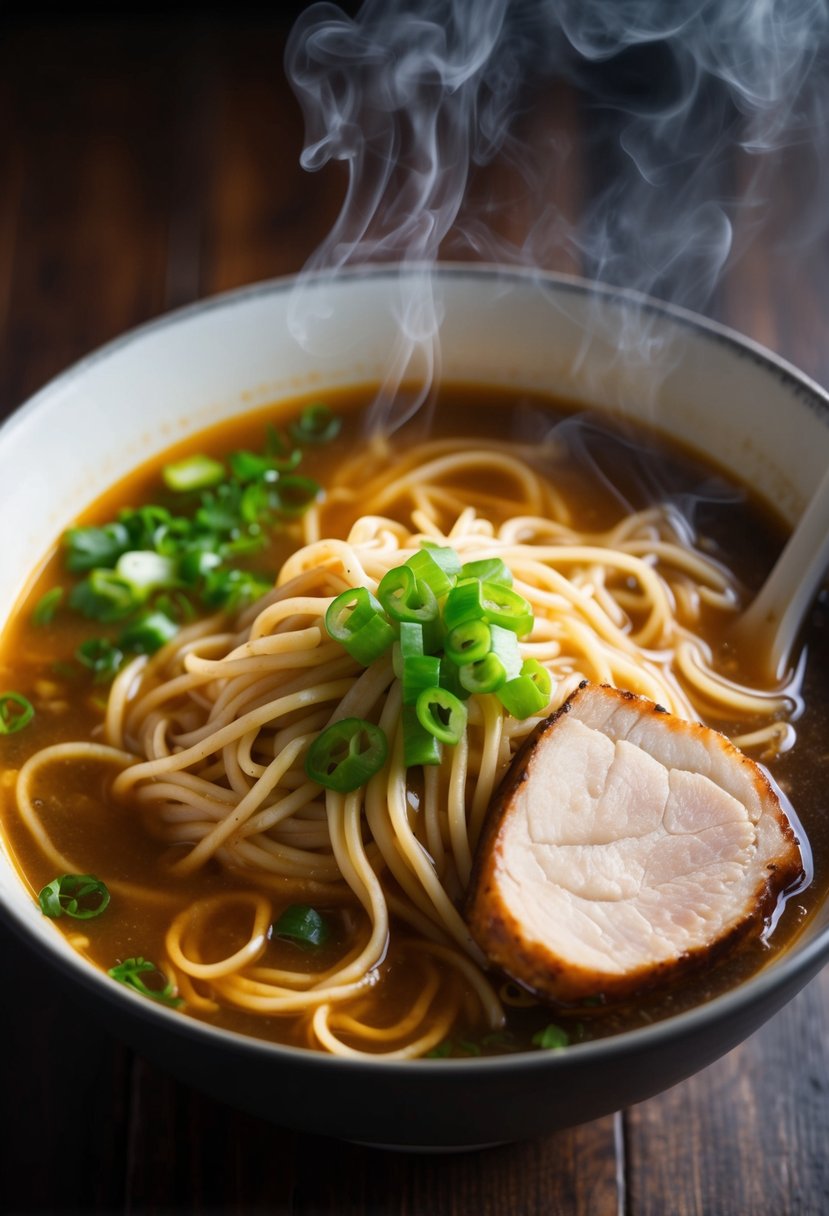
{"x": 527, "y": 693}
{"x": 316, "y": 424}
{"x": 407, "y": 598}
{"x": 81, "y": 896}
{"x": 346, "y": 754}
{"x": 16, "y": 712}
{"x": 131, "y": 971}
{"x": 303, "y": 925}
{"x": 196, "y": 472}
{"x": 442, "y": 714}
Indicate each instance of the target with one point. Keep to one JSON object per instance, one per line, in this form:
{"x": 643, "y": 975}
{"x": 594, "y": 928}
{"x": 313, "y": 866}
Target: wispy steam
{"x": 409, "y": 96}
{"x": 413, "y": 95}
{"x": 731, "y": 76}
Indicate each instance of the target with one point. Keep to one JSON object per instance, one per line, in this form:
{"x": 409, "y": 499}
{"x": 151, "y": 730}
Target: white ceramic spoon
{"x": 771, "y": 622}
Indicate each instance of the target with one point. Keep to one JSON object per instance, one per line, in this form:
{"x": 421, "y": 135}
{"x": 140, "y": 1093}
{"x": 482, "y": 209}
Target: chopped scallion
{"x": 405, "y": 598}
{"x": 89, "y": 548}
{"x": 463, "y": 603}
{"x": 429, "y": 571}
{"x": 16, "y": 712}
{"x": 468, "y": 642}
{"x": 420, "y": 746}
{"x": 527, "y": 693}
{"x": 505, "y": 607}
{"x": 148, "y": 634}
{"x": 105, "y": 596}
{"x": 131, "y": 973}
{"x": 250, "y": 466}
{"x": 81, "y": 896}
{"x": 293, "y": 494}
{"x": 346, "y": 754}
{"x": 502, "y": 663}
{"x": 101, "y": 656}
{"x": 196, "y": 472}
{"x": 442, "y": 714}
{"x": 487, "y": 570}
{"x": 408, "y": 645}
{"x": 316, "y": 424}
{"x": 445, "y": 556}
{"x": 356, "y": 620}
{"x": 551, "y": 1038}
{"x": 46, "y": 607}
{"x": 231, "y": 588}
{"x": 144, "y": 569}
{"x": 304, "y": 925}
{"x": 420, "y": 671}
{"x": 458, "y": 628}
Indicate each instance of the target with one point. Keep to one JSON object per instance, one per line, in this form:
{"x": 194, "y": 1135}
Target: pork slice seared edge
{"x": 624, "y": 846}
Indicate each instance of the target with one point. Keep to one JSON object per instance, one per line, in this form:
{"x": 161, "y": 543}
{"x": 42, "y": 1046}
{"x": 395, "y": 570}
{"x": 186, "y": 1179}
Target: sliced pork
{"x": 624, "y": 844}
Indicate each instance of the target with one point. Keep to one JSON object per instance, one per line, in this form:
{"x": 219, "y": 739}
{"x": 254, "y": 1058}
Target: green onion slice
{"x": 293, "y": 494}
{"x": 101, "y": 656}
{"x": 445, "y": 556}
{"x": 411, "y": 638}
{"x": 463, "y": 603}
{"x": 89, "y": 548}
{"x": 405, "y": 598}
{"x": 131, "y": 971}
{"x": 427, "y": 569}
{"x": 316, "y": 424}
{"x": 149, "y": 633}
{"x": 276, "y": 442}
{"x": 304, "y": 925}
{"x": 419, "y": 671}
{"x": 527, "y": 693}
{"x": 46, "y": 607}
{"x": 197, "y": 563}
{"x": 144, "y": 569}
{"x": 250, "y": 466}
{"x": 16, "y": 712}
{"x": 176, "y": 605}
{"x": 105, "y": 596}
{"x": 409, "y": 644}
{"x": 468, "y": 642}
{"x": 505, "y": 607}
{"x": 552, "y": 1037}
{"x": 193, "y": 473}
{"x": 231, "y": 588}
{"x": 487, "y": 570}
{"x": 371, "y": 640}
{"x": 420, "y": 746}
{"x": 502, "y": 663}
{"x": 450, "y": 679}
{"x": 346, "y": 754}
{"x": 442, "y": 714}
{"x": 487, "y": 675}
{"x": 356, "y": 620}
{"x": 82, "y": 896}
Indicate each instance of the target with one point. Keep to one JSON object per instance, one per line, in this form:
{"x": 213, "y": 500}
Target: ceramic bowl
{"x": 715, "y": 391}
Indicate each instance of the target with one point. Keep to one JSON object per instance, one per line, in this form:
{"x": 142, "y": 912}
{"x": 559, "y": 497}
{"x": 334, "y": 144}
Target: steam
{"x": 417, "y": 97}
{"x": 409, "y": 96}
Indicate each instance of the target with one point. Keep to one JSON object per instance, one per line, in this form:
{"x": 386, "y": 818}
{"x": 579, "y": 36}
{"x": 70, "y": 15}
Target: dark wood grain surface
{"x": 144, "y": 164}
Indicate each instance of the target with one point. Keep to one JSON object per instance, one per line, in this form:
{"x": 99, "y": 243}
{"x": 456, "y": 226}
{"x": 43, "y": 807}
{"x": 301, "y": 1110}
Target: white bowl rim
{"x": 796, "y": 964}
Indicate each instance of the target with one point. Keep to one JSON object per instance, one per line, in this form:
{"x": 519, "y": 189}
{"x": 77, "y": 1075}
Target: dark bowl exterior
{"x": 437, "y": 1104}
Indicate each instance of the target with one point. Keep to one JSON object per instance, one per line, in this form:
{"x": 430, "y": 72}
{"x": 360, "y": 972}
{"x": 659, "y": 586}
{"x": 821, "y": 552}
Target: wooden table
{"x": 143, "y": 166}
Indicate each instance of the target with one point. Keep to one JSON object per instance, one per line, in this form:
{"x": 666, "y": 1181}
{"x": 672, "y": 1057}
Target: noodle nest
{"x": 208, "y": 737}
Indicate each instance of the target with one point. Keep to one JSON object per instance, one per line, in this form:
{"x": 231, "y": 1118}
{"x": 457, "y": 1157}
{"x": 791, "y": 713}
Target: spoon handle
{"x": 771, "y": 622}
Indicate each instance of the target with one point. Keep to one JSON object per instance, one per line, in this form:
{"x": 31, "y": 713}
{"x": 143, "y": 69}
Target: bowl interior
{"x": 713, "y": 391}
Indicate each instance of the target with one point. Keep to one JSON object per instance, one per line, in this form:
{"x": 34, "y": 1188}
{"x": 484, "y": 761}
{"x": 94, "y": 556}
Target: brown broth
{"x": 595, "y": 473}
